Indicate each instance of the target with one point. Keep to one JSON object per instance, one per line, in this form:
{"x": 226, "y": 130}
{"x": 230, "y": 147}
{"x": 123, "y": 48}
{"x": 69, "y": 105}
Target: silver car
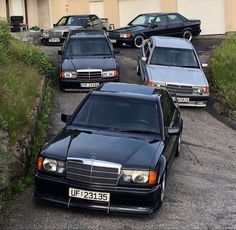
{"x": 58, "y": 34}
{"x": 172, "y": 63}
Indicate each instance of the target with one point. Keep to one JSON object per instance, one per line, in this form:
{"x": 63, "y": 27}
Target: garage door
{"x": 129, "y": 9}
{"x": 97, "y": 7}
{"x": 211, "y": 13}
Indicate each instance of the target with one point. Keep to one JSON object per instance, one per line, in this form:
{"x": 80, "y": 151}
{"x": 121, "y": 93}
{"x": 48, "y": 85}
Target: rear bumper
{"x": 128, "y": 200}
{"x": 46, "y": 41}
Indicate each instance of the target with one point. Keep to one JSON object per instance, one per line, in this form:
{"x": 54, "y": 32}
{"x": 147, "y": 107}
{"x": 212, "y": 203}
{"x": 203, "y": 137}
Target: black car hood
{"x": 131, "y": 29}
{"x": 129, "y": 151}
{"x": 106, "y": 63}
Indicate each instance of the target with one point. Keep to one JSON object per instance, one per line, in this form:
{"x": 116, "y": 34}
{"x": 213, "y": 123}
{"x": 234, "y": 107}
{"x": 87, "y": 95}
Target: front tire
{"x": 161, "y": 192}
{"x": 178, "y": 147}
{"x": 188, "y": 35}
{"x": 138, "y": 41}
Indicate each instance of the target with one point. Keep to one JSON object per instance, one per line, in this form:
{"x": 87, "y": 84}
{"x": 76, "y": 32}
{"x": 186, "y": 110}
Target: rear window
{"x": 174, "y": 57}
{"x": 87, "y": 47}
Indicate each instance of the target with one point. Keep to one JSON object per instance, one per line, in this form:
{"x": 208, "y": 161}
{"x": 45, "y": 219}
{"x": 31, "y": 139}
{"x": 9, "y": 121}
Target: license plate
{"x": 89, "y": 195}
{"x": 183, "y": 99}
{"x": 54, "y": 40}
{"x": 89, "y": 85}
{"x": 113, "y": 40}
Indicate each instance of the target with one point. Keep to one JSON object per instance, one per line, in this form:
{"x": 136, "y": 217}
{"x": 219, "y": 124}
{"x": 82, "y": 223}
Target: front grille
{"x": 114, "y": 35}
{"x": 89, "y": 74}
{"x": 93, "y": 171}
{"x": 55, "y": 34}
{"x": 182, "y": 89}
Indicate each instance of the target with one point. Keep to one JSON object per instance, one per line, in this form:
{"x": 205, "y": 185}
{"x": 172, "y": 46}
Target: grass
{"x": 222, "y": 67}
{"x": 22, "y": 67}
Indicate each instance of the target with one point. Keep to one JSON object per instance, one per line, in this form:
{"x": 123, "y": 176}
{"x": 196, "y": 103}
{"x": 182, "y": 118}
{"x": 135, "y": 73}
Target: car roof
{"x": 79, "y": 15}
{"x": 129, "y": 90}
{"x": 163, "y": 41}
{"x": 158, "y": 14}
{"x": 87, "y": 33}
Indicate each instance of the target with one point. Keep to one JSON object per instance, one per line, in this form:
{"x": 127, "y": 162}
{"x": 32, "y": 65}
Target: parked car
{"x": 172, "y": 63}
{"x": 114, "y": 152}
{"x": 88, "y": 59}
{"x": 58, "y": 34}
{"x": 147, "y": 25}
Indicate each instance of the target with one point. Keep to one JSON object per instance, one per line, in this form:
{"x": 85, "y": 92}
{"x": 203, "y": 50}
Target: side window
{"x": 89, "y": 22}
{"x": 168, "y": 109}
{"x": 160, "y": 21}
{"x": 173, "y": 19}
{"x": 96, "y": 20}
{"x": 146, "y": 49}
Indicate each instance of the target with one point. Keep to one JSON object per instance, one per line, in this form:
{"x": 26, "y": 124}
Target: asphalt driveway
{"x": 201, "y": 187}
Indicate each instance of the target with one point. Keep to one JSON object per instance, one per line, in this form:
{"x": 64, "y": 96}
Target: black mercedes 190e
{"x": 114, "y": 152}
{"x": 146, "y": 25}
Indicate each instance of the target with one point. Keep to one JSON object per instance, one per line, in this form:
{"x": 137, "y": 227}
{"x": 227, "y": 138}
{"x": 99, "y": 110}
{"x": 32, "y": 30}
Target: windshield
{"x": 115, "y": 113}
{"x": 174, "y": 57}
{"x": 88, "y": 47}
{"x": 72, "y": 21}
{"x": 142, "y": 20}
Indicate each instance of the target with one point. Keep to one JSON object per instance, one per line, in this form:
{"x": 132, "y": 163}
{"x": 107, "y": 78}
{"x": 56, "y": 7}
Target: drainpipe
{"x": 26, "y": 12}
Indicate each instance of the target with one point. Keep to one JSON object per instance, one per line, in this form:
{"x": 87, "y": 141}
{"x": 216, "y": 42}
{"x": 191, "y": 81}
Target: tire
{"x": 138, "y": 40}
{"x": 178, "y": 147}
{"x": 188, "y": 35}
{"x": 161, "y": 192}
{"x": 61, "y": 86}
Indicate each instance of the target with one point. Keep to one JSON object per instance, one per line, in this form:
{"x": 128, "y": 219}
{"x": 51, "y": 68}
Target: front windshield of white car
{"x": 117, "y": 113}
{"x": 88, "y": 47}
{"x": 142, "y": 20}
{"x": 174, "y": 57}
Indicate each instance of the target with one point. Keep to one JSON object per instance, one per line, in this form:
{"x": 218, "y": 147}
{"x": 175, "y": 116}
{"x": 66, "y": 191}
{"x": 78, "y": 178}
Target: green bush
{"x": 222, "y": 67}
{"x": 21, "y": 69}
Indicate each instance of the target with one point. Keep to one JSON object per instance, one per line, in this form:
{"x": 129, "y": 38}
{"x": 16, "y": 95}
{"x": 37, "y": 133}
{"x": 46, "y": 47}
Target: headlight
{"x": 45, "y": 34}
{"x": 126, "y": 35}
{"x": 201, "y": 90}
{"x": 112, "y": 73}
{"x": 50, "y": 165}
{"x": 156, "y": 84}
{"x": 68, "y": 74}
{"x": 139, "y": 177}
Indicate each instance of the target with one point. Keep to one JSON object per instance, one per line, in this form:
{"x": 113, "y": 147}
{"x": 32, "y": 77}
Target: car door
{"x": 146, "y": 51}
{"x": 170, "y": 120}
{"x": 158, "y": 26}
{"x": 175, "y": 25}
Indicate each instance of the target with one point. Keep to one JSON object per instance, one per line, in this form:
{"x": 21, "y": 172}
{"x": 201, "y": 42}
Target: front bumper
{"x": 193, "y": 100}
{"x": 75, "y": 83}
{"x": 50, "y": 41}
{"x": 122, "y": 199}
{"x": 121, "y": 41}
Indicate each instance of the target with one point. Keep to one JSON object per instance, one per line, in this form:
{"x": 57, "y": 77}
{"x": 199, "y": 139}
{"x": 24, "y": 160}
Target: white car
{"x": 172, "y": 63}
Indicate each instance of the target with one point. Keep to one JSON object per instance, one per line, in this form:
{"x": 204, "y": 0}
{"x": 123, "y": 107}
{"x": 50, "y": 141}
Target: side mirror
{"x": 60, "y": 52}
{"x": 144, "y": 59}
{"x": 54, "y": 25}
{"x": 65, "y": 117}
{"x": 204, "y": 65}
{"x": 154, "y": 26}
{"x": 116, "y": 51}
{"x": 111, "y": 26}
{"x": 173, "y": 130}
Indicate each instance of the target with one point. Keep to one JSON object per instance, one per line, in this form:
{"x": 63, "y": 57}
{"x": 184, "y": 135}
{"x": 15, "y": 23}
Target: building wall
{"x": 168, "y": 5}
{"x": 230, "y": 13}
{"x": 33, "y": 18}
{"x": 111, "y": 11}
{"x": 3, "y": 9}
{"x": 67, "y": 7}
{"x": 43, "y": 12}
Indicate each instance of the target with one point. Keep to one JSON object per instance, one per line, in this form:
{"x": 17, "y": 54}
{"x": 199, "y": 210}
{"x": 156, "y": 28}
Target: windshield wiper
{"x": 78, "y": 129}
{"x": 138, "y": 131}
